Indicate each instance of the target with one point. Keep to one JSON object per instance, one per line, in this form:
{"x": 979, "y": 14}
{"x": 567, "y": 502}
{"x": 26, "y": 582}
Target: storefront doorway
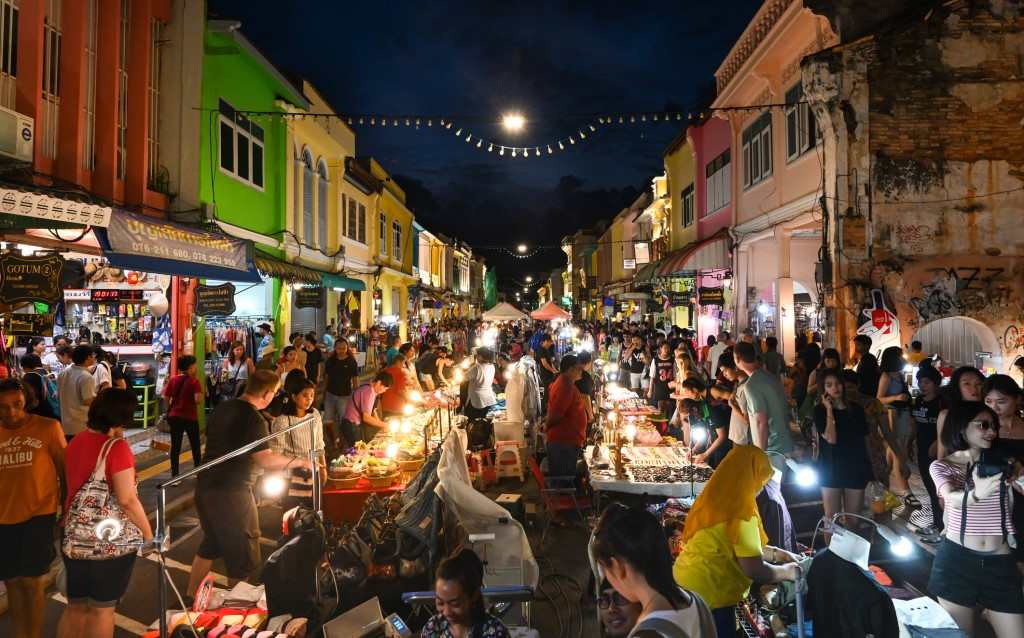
{"x": 961, "y": 341}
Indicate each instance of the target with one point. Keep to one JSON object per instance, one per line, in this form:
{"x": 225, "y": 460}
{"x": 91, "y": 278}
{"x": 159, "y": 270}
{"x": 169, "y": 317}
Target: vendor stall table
{"x": 346, "y": 506}
{"x": 602, "y": 472}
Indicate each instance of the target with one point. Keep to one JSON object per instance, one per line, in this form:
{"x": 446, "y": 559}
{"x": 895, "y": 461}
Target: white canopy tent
{"x": 504, "y": 312}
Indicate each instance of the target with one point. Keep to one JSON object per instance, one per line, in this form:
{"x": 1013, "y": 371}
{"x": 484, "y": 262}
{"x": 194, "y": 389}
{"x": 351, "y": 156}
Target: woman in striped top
{"x": 298, "y": 404}
{"x": 973, "y": 568}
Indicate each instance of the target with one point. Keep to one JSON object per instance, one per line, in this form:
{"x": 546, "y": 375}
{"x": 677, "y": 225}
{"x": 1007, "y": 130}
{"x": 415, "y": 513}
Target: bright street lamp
{"x": 513, "y": 122}
{"x": 521, "y": 248}
{"x": 525, "y": 289}
{"x": 529, "y": 279}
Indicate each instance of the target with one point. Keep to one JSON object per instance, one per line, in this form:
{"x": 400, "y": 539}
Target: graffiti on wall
{"x": 1012, "y": 341}
{"x": 879, "y": 322}
{"x": 961, "y": 291}
{"x": 914, "y": 239}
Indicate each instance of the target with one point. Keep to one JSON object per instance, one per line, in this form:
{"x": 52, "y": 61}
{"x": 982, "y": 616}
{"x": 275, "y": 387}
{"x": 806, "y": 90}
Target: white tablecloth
{"x": 605, "y": 481}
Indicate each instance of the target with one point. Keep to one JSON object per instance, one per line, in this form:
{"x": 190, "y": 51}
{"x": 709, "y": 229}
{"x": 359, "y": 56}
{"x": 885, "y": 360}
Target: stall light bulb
{"x": 698, "y": 436}
{"x": 406, "y": 426}
{"x": 613, "y": 367}
{"x": 352, "y": 339}
{"x": 408, "y": 409}
{"x": 806, "y": 477}
{"x": 465, "y": 363}
{"x": 902, "y": 547}
{"x": 613, "y": 416}
{"x": 274, "y": 485}
{"x": 393, "y": 426}
{"x": 415, "y": 396}
{"x": 630, "y": 431}
{"x": 459, "y": 377}
{"x": 391, "y": 451}
{"x": 478, "y": 342}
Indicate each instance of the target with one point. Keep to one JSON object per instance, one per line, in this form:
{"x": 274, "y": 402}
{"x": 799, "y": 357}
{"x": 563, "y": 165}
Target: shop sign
{"x": 215, "y": 301}
{"x": 40, "y": 325}
{"x": 309, "y": 297}
{"x": 118, "y": 295}
{"x": 642, "y": 252}
{"x": 629, "y": 264}
{"x": 132, "y": 234}
{"x": 39, "y": 206}
{"x": 712, "y": 296}
{"x": 680, "y": 298}
{"x": 26, "y": 279}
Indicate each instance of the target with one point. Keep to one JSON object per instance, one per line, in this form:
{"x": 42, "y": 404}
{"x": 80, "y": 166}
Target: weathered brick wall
{"x": 927, "y": 116}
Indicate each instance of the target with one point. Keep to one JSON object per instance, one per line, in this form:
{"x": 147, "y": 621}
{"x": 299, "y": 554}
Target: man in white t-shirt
{"x": 77, "y": 388}
{"x": 715, "y": 351}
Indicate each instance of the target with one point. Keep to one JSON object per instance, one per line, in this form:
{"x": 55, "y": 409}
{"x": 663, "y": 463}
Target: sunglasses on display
{"x": 985, "y": 424}
{"x": 604, "y": 601}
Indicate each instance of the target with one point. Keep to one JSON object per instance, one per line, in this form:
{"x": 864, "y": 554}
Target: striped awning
{"x": 274, "y": 267}
{"x": 709, "y": 254}
{"x": 646, "y": 273}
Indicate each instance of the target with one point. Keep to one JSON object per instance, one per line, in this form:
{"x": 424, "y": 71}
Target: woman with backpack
{"x": 44, "y": 388}
{"x": 94, "y": 586}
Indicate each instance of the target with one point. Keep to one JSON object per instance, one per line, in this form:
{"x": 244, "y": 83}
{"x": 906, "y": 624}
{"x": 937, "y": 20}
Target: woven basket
{"x": 412, "y": 465}
{"x": 383, "y": 481}
{"x": 345, "y": 483}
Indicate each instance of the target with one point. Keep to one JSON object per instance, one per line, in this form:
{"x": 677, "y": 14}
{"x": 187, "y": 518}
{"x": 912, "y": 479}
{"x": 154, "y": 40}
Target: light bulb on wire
{"x": 513, "y": 122}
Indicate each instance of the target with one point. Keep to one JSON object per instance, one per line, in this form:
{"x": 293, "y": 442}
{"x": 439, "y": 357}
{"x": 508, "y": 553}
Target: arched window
{"x": 321, "y": 205}
{"x": 307, "y": 197}
{"x": 297, "y": 194}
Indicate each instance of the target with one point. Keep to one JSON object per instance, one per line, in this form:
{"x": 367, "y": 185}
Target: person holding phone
{"x": 844, "y": 467}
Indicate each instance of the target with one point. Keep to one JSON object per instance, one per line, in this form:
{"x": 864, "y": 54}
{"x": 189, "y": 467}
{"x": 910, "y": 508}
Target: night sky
{"x": 558, "y": 63}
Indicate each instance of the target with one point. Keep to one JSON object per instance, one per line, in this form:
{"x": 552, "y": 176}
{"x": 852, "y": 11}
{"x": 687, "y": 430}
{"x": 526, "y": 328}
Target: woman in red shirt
{"x": 95, "y": 586}
{"x": 566, "y": 424}
{"x": 184, "y": 395}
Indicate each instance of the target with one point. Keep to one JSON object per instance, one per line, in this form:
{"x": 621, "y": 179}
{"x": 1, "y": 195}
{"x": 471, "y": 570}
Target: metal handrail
{"x": 160, "y": 535}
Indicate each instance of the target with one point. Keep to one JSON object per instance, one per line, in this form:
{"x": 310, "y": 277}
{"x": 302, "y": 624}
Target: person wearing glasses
{"x": 618, "y": 614}
{"x": 974, "y": 568}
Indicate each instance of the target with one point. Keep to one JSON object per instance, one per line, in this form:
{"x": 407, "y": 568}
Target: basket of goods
{"x": 381, "y": 472}
{"x": 344, "y": 472}
{"x": 410, "y": 456}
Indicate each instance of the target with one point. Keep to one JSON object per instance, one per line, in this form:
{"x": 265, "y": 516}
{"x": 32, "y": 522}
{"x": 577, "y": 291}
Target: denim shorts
{"x": 975, "y": 579}
{"x": 334, "y": 407}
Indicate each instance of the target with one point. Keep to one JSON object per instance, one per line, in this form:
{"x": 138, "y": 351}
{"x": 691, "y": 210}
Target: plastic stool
{"x": 481, "y": 468}
{"x": 507, "y": 460}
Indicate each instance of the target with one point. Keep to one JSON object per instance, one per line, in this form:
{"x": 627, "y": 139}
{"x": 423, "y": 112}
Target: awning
{"x": 332, "y": 280}
{"x": 274, "y": 267}
{"x": 137, "y": 242}
{"x": 709, "y": 254}
{"x": 646, "y": 273}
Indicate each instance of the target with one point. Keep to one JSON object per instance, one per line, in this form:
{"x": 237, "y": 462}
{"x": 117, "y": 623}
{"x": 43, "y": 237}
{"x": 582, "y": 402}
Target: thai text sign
{"x": 712, "y": 296}
{"x": 132, "y": 234}
{"x": 215, "y": 301}
{"x": 26, "y": 279}
{"x": 29, "y": 325}
{"x": 309, "y": 297}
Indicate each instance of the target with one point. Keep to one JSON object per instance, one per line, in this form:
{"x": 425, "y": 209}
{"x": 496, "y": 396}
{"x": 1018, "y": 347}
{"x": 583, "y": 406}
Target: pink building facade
{"x": 775, "y": 175}
{"x": 711, "y": 141}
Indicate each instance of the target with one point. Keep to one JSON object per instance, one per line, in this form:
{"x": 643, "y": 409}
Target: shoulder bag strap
{"x": 660, "y": 627}
{"x": 968, "y": 486}
{"x": 101, "y": 460}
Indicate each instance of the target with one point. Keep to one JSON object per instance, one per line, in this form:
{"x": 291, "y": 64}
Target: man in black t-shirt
{"x": 342, "y": 373}
{"x": 224, "y": 499}
{"x": 546, "y": 367}
{"x": 926, "y": 415}
{"x": 314, "y": 358}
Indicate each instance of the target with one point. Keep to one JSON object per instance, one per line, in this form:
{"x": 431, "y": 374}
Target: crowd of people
{"x": 857, "y": 421}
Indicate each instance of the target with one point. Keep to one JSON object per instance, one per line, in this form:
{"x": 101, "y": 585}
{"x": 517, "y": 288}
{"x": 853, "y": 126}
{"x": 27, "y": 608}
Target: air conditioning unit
{"x": 17, "y": 134}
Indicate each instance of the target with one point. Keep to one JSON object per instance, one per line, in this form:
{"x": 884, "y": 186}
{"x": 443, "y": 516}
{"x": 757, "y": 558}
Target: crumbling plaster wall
{"x": 923, "y": 124}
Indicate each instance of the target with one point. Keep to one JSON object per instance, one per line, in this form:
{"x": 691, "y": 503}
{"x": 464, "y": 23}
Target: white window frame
{"x": 801, "y": 124}
{"x": 687, "y": 202}
{"x": 122, "y": 91}
{"x": 153, "y": 90}
{"x": 322, "y": 191}
{"x": 382, "y": 234}
{"x": 757, "y": 150}
{"x": 363, "y": 221}
{"x": 89, "y": 102}
{"x": 718, "y": 176}
{"x": 53, "y": 36}
{"x": 9, "y": 12}
{"x": 308, "y": 233}
{"x": 396, "y": 239}
{"x": 242, "y": 127}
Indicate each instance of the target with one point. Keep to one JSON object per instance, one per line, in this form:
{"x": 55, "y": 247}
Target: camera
{"x": 993, "y": 462}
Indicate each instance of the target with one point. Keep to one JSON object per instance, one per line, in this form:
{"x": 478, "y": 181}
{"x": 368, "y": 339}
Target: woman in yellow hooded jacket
{"x": 725, "y": 546}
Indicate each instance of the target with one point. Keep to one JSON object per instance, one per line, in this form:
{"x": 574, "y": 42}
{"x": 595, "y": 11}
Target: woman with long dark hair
{"x": 974, "y": 568}
{"x": 830, "y": 360}
{"x": 461, "y": 612}
{"x": 844, "y": 468}
{"x": 237, "y": 369}
{"x": 893, "y": 393}
{"x": 632, "y": 552}
{"x": 965, "y": 385}
{"x": 1004, "y": 396}
{"x": 299, "y": 394}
